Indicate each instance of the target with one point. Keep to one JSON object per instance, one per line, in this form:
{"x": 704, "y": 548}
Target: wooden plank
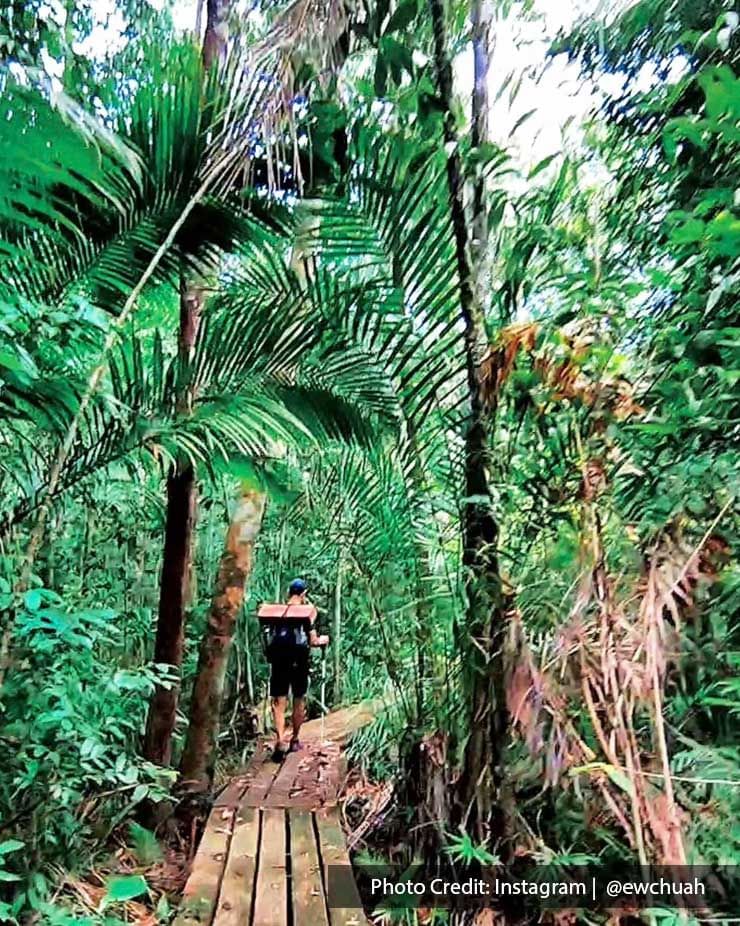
{"x": 235, "y": 899}
{"x": 307, "y": 780}
{"x": 260, "y": 785}
{"x": 261, "y": 755}
{"x": 219, "y": 886}
{"x": 271, "y": 894}
{"x": 307, "y": 785}
{"x": 286, "y": 774}
{"x": 307, "y": 890}
{"x": 232, "y": 793}
{"x": 333, "y": 849}
{"x": 279, "y": 793}
{"x": 303, "y": 802}
{"x": 202, "y": 888}
{"x": 338, "y": 725}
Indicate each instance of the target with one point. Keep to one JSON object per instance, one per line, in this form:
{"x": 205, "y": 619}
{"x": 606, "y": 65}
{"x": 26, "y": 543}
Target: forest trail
{"x": 272, "y": 832}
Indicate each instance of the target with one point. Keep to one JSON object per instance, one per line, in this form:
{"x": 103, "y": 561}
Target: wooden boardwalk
{"x": 272, "y": 833}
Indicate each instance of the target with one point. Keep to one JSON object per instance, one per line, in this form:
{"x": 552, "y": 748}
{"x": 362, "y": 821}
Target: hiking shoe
{"x": 295, "y": 745}
{"x": 278, "y": 755}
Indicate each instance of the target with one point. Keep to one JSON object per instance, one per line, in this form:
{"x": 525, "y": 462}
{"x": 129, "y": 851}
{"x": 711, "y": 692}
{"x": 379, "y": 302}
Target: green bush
{"x": 72, "y": 719}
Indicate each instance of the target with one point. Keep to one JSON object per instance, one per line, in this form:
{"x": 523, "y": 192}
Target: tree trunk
{"x": 480, "y": 15}
{"x": 177, "y": 555}
{"x": 199, "y": 755}
{"x": 481, "y": 639}
{"x": 337, "y": 633}
{"x": 181, "y": 488}
{"x": 217, "y": 32}
{"x": 168, "y": 646}
{"x": 282, "y": 538}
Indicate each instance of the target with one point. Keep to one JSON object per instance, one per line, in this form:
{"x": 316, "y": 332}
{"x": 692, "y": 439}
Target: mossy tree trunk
{"x": 199, "y": 755}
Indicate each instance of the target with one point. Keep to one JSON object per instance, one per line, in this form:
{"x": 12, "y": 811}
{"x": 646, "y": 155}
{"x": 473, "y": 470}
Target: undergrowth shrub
{"x": 71, "y": 719}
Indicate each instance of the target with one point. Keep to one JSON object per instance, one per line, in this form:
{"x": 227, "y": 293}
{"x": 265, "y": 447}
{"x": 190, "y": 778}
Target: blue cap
{"x": 297, "y": 587}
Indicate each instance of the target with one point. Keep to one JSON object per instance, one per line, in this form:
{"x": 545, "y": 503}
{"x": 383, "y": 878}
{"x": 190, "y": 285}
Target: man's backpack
{"x": 285, "y": 626}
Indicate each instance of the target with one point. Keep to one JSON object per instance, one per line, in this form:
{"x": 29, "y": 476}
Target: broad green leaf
{"x": 125, "y": 888}
{"x": 10, "y": 845}
{"x": 33, "y": 599}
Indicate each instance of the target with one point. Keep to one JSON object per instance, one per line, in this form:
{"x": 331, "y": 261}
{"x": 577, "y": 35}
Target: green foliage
{"x": 466, "y": 852}
{"x": 125, "y": 888}
{"x": 631, "y": 288}
{"x": 6, "y": 848}
{"x": 69, "y": 724}
{"x": 329, "y": 369}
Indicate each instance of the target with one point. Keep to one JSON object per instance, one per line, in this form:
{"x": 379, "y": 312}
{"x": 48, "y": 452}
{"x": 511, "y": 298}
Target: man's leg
{"x": 299, "y": 685}
{"x": 279, "y": 684}
{"x": 278, "y": 715}
{"x": 299, "y": 715}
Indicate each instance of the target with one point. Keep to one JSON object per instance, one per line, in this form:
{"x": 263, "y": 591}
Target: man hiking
{"x": 288, "y": 648}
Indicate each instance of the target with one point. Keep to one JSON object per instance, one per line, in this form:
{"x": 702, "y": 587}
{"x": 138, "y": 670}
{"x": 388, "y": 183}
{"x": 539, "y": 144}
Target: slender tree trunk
{"x": 482, "y": 637}
{"x": 199, "y": 755}
{"x": 424, "y": 618}
{"x": 480, "y": 15}
{"x": 337, "y": 632}
{"x": 168, "y": 646}
{"x": 282, "y": 537}
{"x": 418, "y": 488}
{"x": 177, "y": 554}
{"x": 181, "y": 487}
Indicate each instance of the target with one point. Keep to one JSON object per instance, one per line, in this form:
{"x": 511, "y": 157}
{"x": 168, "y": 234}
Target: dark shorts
{"x": 289, "y": 670}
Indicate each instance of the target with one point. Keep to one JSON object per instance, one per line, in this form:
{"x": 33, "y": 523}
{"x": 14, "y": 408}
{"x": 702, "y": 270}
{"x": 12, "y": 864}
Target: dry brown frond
{"x": 500, "y": 358}
{"x": 613, "y": 656}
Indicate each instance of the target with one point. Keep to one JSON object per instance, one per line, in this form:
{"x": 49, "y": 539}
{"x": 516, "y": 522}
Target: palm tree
{"x": 268, "y": 369}
{"x": 392, "y": 227}
{"x": 194, "y": 132}
{"x": 380, "y": 276}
